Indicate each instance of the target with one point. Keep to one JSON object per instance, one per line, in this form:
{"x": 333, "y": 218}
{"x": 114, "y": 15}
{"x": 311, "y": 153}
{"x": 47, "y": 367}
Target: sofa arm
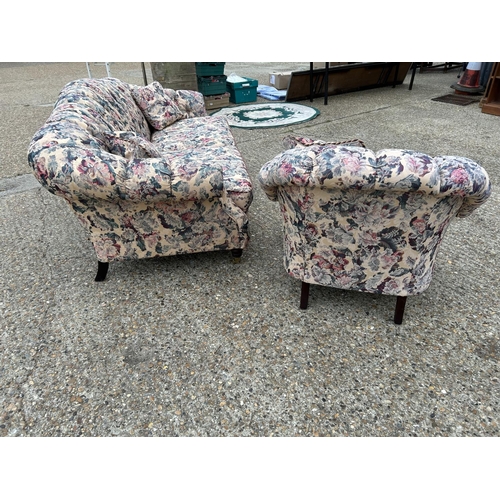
{"x": 76, "y": 173}
{"x": 158, "y": 179}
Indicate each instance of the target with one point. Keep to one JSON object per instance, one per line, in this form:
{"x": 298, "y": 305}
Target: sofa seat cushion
{"x": 194, "y": 133}
{"x": 206, "y": 140}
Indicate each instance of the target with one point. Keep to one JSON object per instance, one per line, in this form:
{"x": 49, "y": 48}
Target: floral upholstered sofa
{"x": 144, "y": 169}
{"x": 368, "y": 221}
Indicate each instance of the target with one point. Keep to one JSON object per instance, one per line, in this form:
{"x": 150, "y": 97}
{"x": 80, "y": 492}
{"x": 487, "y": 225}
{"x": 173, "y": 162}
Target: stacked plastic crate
{"x": 212, "y": 84}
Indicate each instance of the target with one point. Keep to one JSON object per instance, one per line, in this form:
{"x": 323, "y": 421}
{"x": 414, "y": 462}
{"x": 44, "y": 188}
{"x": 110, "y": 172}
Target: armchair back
{"x": 369, "y": 221}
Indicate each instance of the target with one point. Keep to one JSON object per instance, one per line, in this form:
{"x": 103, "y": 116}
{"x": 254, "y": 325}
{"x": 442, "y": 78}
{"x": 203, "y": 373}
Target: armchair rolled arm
{"x": 346, "y": 167}
{"x": 464, "y": 178}
{"x": 290, "y": 167}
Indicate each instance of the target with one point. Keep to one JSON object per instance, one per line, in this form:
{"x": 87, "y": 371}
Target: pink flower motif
{"x": 287, "y": 169}
{"x": 151, "y": 239}
{"x": 97, "y": 171}
{"x": 339, "y": 263}
{"x": 459, "y": 176}
{"x": 187, "y": 171}
{"x": 336, "y": 262}
{"x": 344, "y": 279}
{"x": 369, "y": 238}
{"x": 351, "y": 164}
{"x": 189, "y": 217}
{"x": 41, "y": 168}
{"x": 310, "y": 232}
{"x": 138, "y": 168}
{"x": 419, "y": 225}
{"x": 417, "y": 166}
{"x": 391, "y": 285}
{"x": 128, "y": 221}
{"x": 388, "y": 259}
{"x": 321, "y": 262}
{"x": 107, "y": 247}
{"x": 305, "y": 202}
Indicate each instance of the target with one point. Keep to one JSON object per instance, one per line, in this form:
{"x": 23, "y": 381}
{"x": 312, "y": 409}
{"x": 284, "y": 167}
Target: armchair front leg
{"x": 237, "y": 253}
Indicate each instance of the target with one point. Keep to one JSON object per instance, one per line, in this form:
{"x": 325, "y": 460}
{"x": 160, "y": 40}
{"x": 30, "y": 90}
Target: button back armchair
{"x": 365, "y": 221}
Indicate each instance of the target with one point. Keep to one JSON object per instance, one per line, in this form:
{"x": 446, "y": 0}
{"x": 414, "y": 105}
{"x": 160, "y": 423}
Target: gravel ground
{"x": 196, "y": 346}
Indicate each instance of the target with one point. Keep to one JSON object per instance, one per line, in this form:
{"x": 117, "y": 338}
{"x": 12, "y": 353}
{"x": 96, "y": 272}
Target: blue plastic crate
{"x": 209, "y": 68}
{"x": 212, "y": 85}
{"x": 242, "y": 91}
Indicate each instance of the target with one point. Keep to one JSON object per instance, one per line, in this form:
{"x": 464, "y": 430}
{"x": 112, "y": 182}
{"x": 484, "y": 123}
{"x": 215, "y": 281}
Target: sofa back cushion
{"x": 159, "y": 108}
{"x": 163, "y": 107}
{"x": 100, "y": 106}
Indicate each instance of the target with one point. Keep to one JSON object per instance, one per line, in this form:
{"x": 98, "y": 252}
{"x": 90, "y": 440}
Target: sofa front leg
{"x": 102, "y": 270}
{"x": 237, "y": 253}
{"x": 400, "y": 309}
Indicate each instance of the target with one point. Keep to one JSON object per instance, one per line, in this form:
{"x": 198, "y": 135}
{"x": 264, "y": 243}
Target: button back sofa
{"x": 368, "y": 221}
{"x": 144, "y": 169}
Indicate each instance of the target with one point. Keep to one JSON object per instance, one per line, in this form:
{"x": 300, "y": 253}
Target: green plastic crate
{"x": 209, "y": 68}
{"x": 212, "y": 85}
{"x": 242, "y": 91}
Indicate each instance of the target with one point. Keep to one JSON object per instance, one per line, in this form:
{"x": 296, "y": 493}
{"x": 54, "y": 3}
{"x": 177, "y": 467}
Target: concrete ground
{"x": 196, "y": 346}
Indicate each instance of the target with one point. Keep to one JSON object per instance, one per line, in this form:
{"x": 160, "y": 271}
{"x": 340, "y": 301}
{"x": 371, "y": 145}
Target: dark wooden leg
{"x": 326, "y": 82}
{"x": 413, "y": 71}
{"x": 396, "y": 75}
{"x": 237, "y": 253}
{"x": 311, "y": 91}
{"x": 304, "y": 295}
{"x": 102, "y": 270}
{"x": 400, "y": 309}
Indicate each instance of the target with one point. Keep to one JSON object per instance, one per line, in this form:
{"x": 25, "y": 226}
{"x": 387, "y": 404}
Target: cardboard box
{"x": 216, "y": 101}
{"x": 280, "y": 80}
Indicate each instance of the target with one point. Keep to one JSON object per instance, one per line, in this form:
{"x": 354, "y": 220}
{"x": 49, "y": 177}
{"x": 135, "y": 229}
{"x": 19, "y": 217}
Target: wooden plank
{"x": 491, "y": 100}
{"x": 346, "y": 78}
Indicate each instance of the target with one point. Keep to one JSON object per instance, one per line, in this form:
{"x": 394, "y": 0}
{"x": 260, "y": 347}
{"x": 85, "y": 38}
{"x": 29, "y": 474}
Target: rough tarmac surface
{"x": 194, "y": 345}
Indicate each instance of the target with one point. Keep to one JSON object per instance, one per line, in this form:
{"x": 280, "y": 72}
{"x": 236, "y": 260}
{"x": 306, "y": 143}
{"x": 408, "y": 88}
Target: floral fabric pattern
{"x": 130, "y": 145}
{"x": 190, "y": 103}
{"x": 159, "y": 109}
{"x": 366, "y": 221}
{"x": 141, "y": 195}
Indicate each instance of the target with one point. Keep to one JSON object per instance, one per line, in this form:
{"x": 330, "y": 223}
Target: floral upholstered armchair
{"x": 372, "y": 222}
{"x": 144, "y": 169}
